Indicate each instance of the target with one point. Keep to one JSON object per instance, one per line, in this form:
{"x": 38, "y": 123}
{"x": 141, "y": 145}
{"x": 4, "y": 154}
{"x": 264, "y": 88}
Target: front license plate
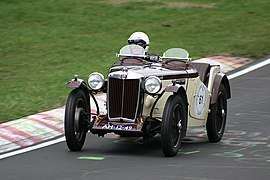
{"x": 117, "y": 127}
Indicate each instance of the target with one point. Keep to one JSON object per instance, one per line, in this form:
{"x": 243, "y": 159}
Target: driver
{"x": 139, "y": 38}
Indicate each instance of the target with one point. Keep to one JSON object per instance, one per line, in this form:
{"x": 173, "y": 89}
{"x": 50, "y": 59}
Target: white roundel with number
{"x": 200, "y": 100}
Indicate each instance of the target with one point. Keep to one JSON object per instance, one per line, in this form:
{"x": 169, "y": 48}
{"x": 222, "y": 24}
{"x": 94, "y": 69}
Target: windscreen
{"x": 176, "y": 53}
{"x": 132, "y": 50}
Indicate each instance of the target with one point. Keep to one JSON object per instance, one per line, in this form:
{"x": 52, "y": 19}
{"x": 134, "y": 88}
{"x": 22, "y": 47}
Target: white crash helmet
{"x": 139, "y": 38}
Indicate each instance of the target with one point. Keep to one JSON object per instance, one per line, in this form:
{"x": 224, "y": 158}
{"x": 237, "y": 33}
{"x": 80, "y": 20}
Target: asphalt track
{"x": 243, "y": 153}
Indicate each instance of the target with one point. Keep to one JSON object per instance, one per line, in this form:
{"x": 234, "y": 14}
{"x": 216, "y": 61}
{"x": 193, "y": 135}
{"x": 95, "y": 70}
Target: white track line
{"x": 31, "y": 148}
{"x": 249, "y": 69}
{"x": 61, "y": 139}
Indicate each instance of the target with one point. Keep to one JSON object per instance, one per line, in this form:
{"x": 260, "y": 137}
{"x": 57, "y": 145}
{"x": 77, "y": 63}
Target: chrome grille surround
{"x": 123, "y": 97}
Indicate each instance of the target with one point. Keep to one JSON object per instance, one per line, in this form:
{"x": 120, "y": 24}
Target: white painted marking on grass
{"x": 55, "y": 141}
{"x": 31, "y": 148}
{"x": 249, "y": 69}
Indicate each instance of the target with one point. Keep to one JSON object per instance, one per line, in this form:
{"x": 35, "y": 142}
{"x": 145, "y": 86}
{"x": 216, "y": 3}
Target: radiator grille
{"x": 123, "y": 96}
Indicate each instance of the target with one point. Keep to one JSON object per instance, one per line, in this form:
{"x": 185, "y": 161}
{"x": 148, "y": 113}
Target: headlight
{"x": 152, "y": 84}
{"x": 96, "y": 81}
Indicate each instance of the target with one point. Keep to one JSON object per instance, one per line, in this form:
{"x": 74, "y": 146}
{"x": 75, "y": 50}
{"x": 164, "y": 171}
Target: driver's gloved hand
{"x": 153, "y": 58}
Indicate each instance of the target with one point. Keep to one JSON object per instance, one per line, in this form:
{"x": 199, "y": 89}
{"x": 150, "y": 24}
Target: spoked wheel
{"x": 216, "y": 122}
{"x": 76, "y": 119}
{"x": 174, "y": 116}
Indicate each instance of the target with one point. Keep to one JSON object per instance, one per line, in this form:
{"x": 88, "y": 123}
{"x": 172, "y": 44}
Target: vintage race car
{"x": 147, "y": 95}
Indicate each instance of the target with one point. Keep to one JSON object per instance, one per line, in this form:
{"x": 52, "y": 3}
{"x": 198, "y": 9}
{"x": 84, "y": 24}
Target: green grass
{"x": 43, "y": 43}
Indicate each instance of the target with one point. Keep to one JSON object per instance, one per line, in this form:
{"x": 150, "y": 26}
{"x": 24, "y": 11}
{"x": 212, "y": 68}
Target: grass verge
{"x": 43, "y": 43}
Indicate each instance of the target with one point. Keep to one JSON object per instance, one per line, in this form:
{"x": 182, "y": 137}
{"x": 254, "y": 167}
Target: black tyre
{"x": 216, "y": 121}
{"x": 172, "y": 128}
{"x": 76, "y": 119}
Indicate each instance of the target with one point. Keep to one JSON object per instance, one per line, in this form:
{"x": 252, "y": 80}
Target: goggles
{"x": 139, "y": 42}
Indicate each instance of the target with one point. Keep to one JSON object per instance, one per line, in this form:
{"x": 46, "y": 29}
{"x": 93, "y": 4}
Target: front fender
{"x": 220, "y": 79}
{"x": 172, "y": 88}
{"x": 75, "y": 83}
{"x": 79, "y": 83}
{"x": 177, "y": 84}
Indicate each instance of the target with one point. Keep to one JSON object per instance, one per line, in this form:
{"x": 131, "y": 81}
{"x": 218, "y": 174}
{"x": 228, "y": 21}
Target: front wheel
{"x": 172, "y": 128}
{"x": 76, "y": 119}
{"x": 216, "y": 121}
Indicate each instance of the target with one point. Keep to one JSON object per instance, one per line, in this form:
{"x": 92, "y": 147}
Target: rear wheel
{"x": 76, "y": 119}
{"x": 172, "y": 128}
{"x": 216, "y": 121}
